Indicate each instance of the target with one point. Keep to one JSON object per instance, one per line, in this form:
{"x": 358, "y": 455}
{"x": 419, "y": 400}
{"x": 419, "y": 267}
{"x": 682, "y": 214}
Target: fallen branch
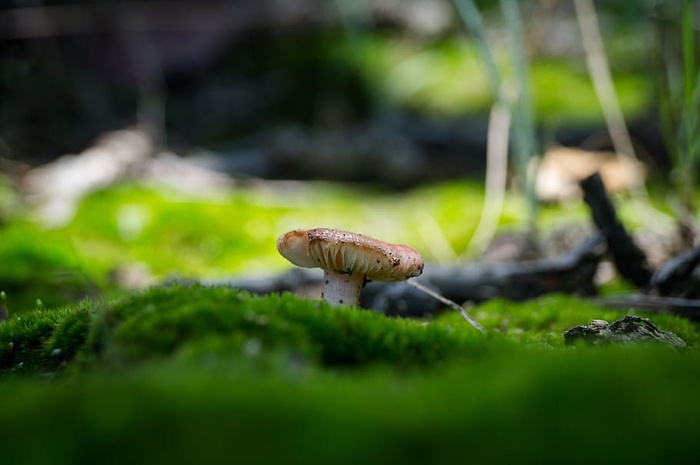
{"x": 674, "y": 305}
{"x": 572, "y": 272}
{"x": 629, "y": 259}
{"x": 678, "y": 276}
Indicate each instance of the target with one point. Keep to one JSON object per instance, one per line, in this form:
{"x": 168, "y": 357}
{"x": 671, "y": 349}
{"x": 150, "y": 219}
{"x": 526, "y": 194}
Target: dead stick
{"x": 629, "y": 259}
{"x": 447, "y": 302}
{"x": 689, "y": 308}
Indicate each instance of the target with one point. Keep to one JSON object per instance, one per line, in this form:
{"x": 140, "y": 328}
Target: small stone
{"x": 628, "y": 329}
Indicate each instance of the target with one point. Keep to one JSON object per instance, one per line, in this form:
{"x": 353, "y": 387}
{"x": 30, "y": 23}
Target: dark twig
{"x": 629, "y": 259}
{"x": 674, "y": 305}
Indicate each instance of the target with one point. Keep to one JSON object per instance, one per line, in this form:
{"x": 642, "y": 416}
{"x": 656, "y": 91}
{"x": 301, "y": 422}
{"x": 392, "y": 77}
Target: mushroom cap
{"x": 349, "y": 253}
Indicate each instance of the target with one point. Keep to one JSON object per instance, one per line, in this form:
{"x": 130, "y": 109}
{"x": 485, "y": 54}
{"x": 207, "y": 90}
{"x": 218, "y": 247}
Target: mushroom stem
{"x": 342, "y": 289}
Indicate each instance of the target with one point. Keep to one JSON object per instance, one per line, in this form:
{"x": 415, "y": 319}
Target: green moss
{"x": 534, "y": 408}
{"x": 544, "y": 320}
{"x": 162, "y": 322}
{"x": 42, "y": 341}
{"x": 198, "y": 323}
{"x": 235, "y": 232}
{"x": 210, "y": 374}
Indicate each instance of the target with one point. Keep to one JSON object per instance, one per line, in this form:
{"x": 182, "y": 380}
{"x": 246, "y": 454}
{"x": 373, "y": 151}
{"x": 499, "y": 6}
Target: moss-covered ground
{"x": 93, "y": 373}
{"x": 209, "y": 374}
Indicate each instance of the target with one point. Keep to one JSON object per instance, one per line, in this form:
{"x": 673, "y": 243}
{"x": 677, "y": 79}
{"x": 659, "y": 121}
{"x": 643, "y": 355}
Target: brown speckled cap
{"x": 349, "y": 253}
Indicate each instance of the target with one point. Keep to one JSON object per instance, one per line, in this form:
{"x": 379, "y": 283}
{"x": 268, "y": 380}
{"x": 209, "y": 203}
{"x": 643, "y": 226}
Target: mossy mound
{"x": 210, "y": 374}
{"x": 194, "y": 321}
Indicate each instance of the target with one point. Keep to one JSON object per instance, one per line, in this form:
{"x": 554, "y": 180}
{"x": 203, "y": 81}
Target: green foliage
{"x": 446, "y": 77}
{"x": 563, "y": 93}
{"x": 42, "y": 265}
{"x": 678, "y": 88}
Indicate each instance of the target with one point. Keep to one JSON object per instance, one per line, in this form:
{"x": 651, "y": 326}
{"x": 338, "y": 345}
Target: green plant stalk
{"x": 679, "y": 106}
{"x": 500, "y": 112}
{"x": 521, "y": 108}
{"x": 664, "y": 87}
{"x": 601, "y": 78}
{"x": 523, "y": 124}
{"x": 472, "y": 19}
{"x": 689, "y": 68}
{"x": 689, "y": 136}
{"x": 4, "y": 313}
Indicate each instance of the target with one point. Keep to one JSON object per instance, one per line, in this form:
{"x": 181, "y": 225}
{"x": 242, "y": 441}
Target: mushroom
{"x": 348, "y": 260}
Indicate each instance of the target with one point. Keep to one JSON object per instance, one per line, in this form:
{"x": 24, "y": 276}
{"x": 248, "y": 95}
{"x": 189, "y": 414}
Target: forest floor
{"x": 94, "y": 369}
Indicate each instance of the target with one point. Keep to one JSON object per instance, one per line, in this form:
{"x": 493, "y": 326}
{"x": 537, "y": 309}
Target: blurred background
{"x": 251, "y": 80}
{"x": 147, "y": 139}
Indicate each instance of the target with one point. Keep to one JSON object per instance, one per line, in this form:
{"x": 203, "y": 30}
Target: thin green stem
{"x": 525, "y": 145}
{"x": 472, "y": 19}
{"x": 523, "y": 121}
{"x": 689, "y": 130}
{"x": 689, "y": 68}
